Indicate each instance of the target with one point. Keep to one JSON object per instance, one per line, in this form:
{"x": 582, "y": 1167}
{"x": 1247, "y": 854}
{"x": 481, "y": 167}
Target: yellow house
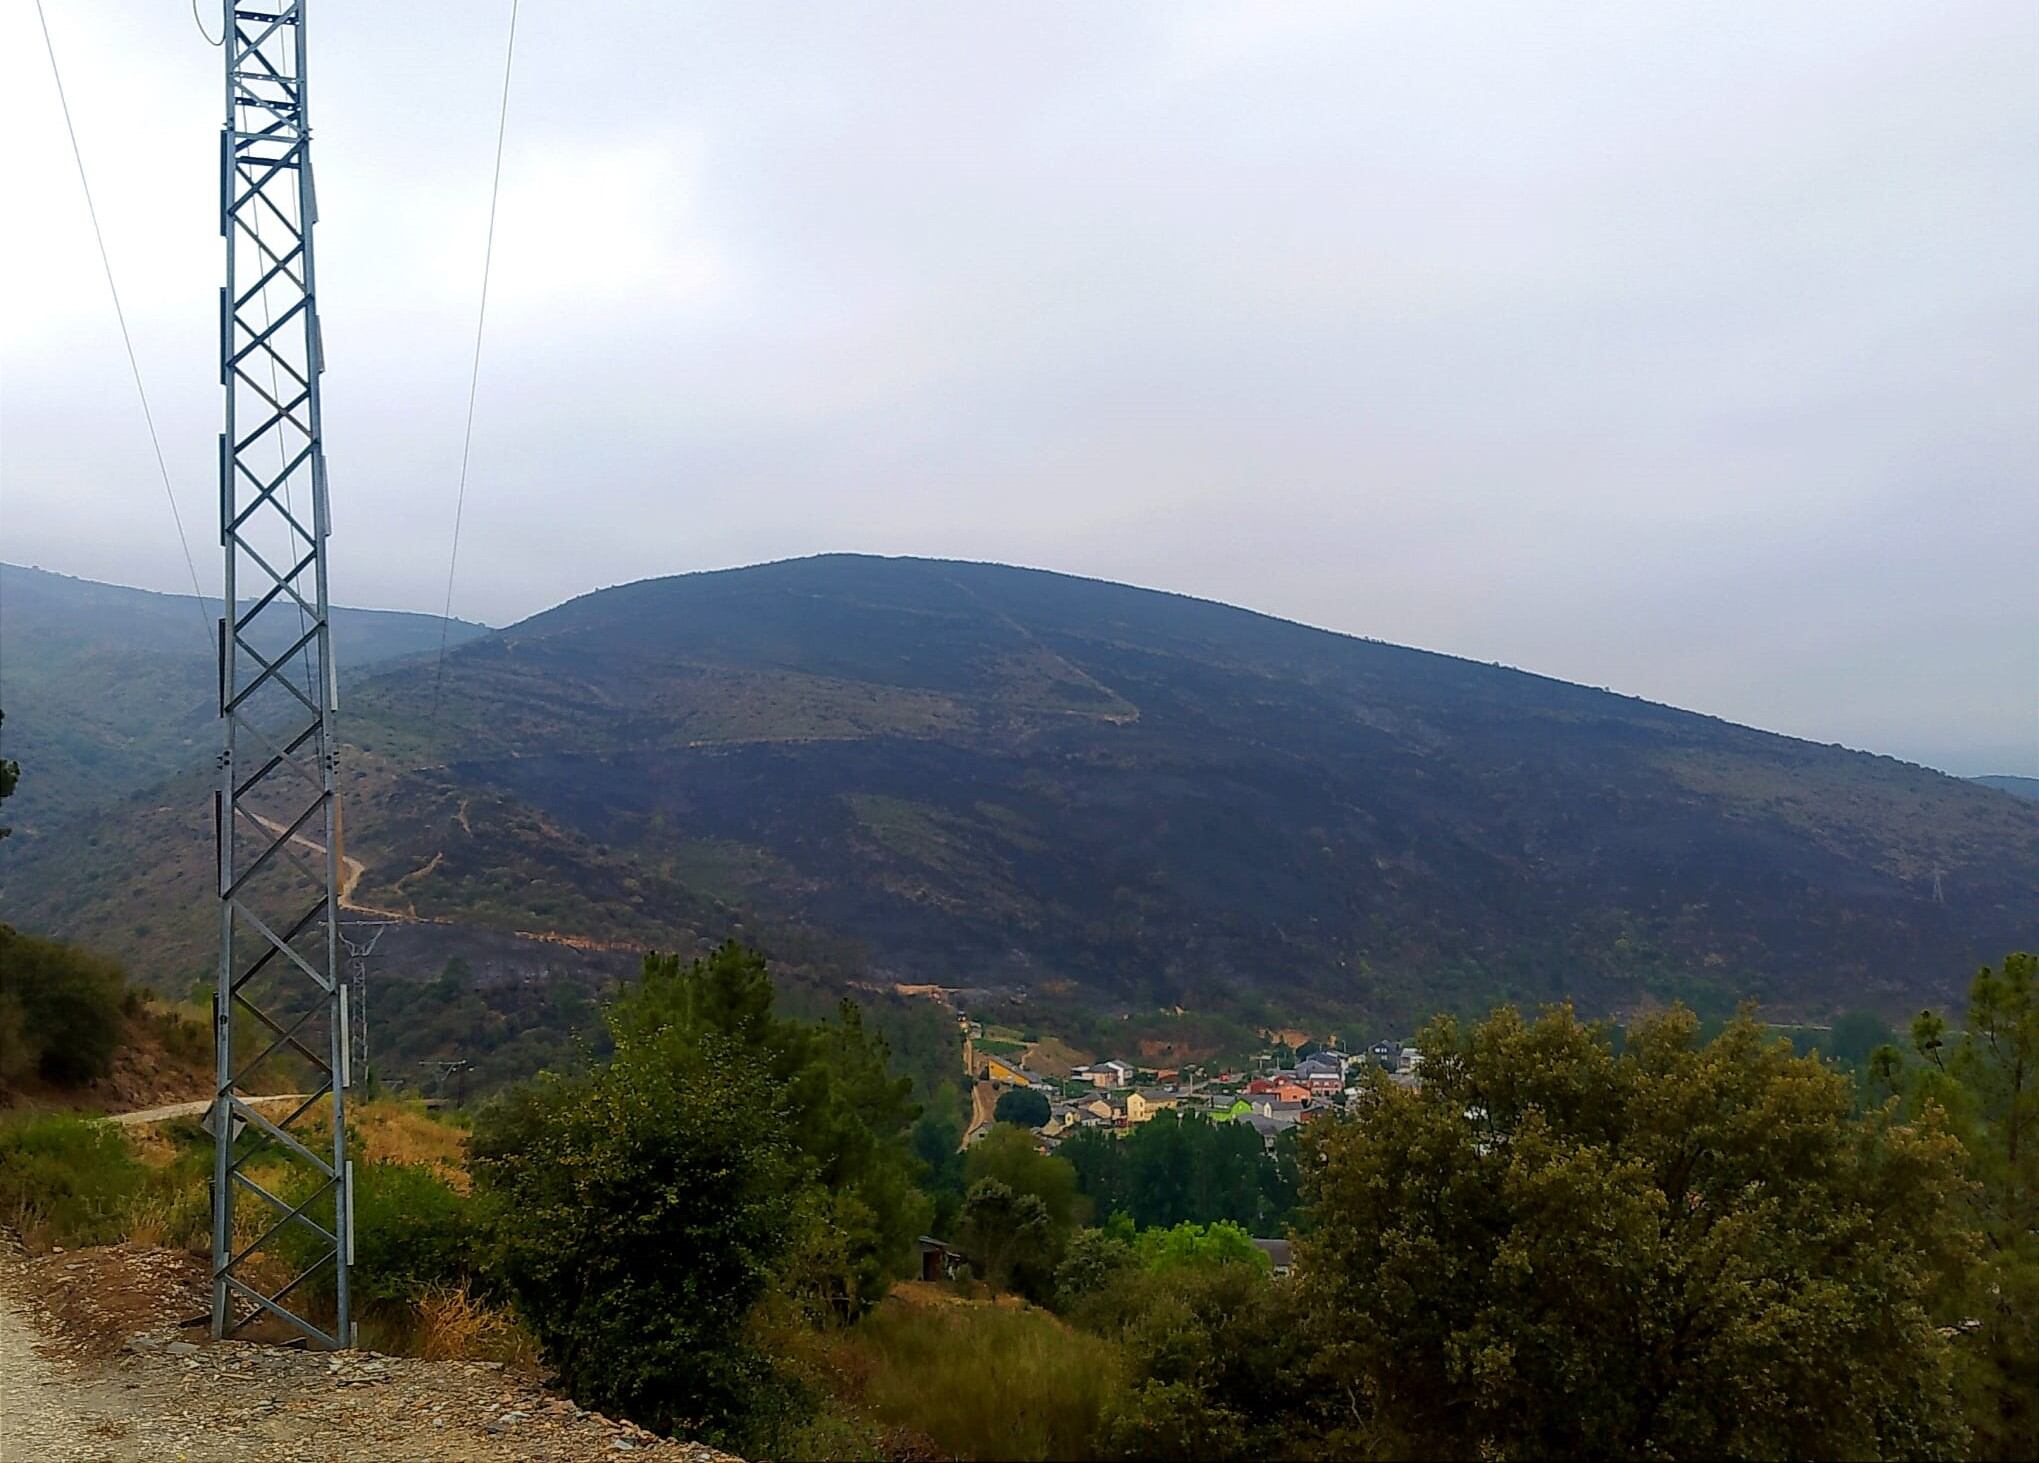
{"x": 998, "y": 1070}
{"x": 1141, "y": 1106}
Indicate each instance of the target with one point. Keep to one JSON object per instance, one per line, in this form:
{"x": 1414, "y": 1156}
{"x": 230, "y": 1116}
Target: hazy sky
{"x": 1690, "y": 350}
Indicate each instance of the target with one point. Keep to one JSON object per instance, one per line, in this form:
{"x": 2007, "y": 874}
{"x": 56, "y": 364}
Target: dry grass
{"x": 975, "y": 1380}
{"x": 1051, "y": 1056}
{"x": 172, "y": 1219}
{"x": 173, "y": 1208}
{"x": 453, "y": 1325}
{"x": 386, "y": 1131}
{"x": 390, "y": 1131}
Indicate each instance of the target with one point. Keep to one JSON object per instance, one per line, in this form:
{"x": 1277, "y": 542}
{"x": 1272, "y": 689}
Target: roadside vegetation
{"x": 1676, "y": 1239}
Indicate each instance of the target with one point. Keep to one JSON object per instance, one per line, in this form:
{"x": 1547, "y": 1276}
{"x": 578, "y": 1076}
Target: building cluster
{"x": 1117, "y": 1096}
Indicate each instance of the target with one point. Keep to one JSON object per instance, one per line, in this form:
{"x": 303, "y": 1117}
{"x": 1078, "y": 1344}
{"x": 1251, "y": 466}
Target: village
{"x": 1287, "y": 1087}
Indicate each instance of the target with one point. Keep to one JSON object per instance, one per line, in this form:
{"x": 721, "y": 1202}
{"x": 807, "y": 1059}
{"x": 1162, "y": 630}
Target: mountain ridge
{"x": 931, "y": 770}
{"x": 115, "y": 688}
{"x": 2018, "y": 787}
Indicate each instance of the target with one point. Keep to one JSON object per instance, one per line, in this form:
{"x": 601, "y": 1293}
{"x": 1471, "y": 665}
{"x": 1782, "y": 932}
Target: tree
{"x": 1221, "y": 1356}
{"x": 1098, "y": 1160}
{"x": 1176, "y": 1170}
{"x": 639, "y": 1212}
{"x": 1007, "y": 1156}
{"x": 1987, "y": 1081}
{"x": 937, "y": 1141}
{"x": 1686, "y": 1249}
{"x": 1022, "y": 1106}
{"x": 847, "y": 1114}
{"x": 1009, "y": 1235}
{"x": 1192, "y": 1246}
{"x": 1093, "y": 1259}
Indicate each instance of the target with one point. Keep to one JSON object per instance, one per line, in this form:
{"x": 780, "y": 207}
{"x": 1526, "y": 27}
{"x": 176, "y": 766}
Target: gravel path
{"x": 44, "y": 1412}
{"x": 71, "y": 1393}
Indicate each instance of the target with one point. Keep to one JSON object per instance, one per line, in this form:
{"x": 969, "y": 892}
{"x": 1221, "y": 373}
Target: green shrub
{"x": 1184, "y": 1245}
{"x": 829, "y": 1437}
{"x": 638, "y": 1214}
{"x": 412, "y": 1232}
{"x": 67, "y": 1181}
{"x": 1173, "y": 1420}
{"x": 1224, "y": 1361}
{"x": 60, "y": 1009}
{"x": 1094, "y": 1259}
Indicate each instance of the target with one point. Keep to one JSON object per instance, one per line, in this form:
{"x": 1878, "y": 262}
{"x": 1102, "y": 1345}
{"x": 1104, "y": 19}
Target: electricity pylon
{"x": 277, "y": 813}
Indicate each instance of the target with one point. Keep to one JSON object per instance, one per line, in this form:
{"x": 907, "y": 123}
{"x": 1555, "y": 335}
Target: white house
{"x": 1106, "y": 1074}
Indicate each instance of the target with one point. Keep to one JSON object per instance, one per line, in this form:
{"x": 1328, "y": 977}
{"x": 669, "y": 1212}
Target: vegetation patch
{"x": 980, "y": 1381}
{"x": 61, "y": 1011}
{"x": 67, "y": 1181}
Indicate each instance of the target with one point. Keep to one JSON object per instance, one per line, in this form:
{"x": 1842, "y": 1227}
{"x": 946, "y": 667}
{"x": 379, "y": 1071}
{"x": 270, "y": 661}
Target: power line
{"x": 474, "y": 375}
{"x": 106, "y": 263}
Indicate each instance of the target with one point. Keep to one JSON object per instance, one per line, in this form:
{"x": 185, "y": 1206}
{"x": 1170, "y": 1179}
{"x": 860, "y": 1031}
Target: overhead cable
{"x": 120, "y": 314}
{"x": 474, "y": 375}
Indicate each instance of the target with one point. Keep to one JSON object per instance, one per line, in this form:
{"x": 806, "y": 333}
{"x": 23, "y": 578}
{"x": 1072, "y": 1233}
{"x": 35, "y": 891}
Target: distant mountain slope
{"x": 2024, "y": 787}
{"x": 109, "y": 690}
{"x": 973, "y": 774}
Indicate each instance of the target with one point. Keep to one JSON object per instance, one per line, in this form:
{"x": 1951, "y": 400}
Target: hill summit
{"x": 971, "y": 774}
{"x": 982, "y": 773}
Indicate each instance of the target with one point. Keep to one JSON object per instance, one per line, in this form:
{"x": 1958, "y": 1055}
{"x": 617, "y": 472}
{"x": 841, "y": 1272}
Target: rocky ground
{"x": 94, "y": 1368}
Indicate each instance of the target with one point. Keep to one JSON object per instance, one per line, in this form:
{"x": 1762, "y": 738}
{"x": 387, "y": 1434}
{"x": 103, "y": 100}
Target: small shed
{"x": 937, "y": 1260}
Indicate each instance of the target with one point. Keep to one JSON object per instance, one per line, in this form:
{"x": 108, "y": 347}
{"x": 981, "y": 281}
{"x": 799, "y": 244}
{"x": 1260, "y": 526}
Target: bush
{"x": 1224, "y": 1361}
{"x": 67, "y": 1181}
{"x": 448, "y": 1323}
{"x": 638, "y": 1214}
{"x": 1094, "y": 1259}
{"x": 1173, "y": 1420}
{"x": 412, "y": 1234}
{"x": 60, "y": 1010}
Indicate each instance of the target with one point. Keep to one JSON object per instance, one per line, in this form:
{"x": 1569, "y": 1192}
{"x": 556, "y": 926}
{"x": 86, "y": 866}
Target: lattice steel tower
{"x": 280, "y": 1016}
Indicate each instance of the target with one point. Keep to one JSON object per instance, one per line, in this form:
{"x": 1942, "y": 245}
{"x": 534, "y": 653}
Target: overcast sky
{"x": 1688, "y": 350}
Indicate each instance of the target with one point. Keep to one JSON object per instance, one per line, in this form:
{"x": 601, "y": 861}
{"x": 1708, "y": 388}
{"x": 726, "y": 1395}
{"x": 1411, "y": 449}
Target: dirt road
{"x": 196, "y": 1109}
{"x": 983, "y": 1098}
{"x": 94, "y": 1369}
{"x": 351, "y": 870}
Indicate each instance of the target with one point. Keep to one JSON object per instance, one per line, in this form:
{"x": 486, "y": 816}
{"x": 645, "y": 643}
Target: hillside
{"x": 977, "y": 775}
{"x": 110, "y": 690}
{"x": 2023, "y": 787}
